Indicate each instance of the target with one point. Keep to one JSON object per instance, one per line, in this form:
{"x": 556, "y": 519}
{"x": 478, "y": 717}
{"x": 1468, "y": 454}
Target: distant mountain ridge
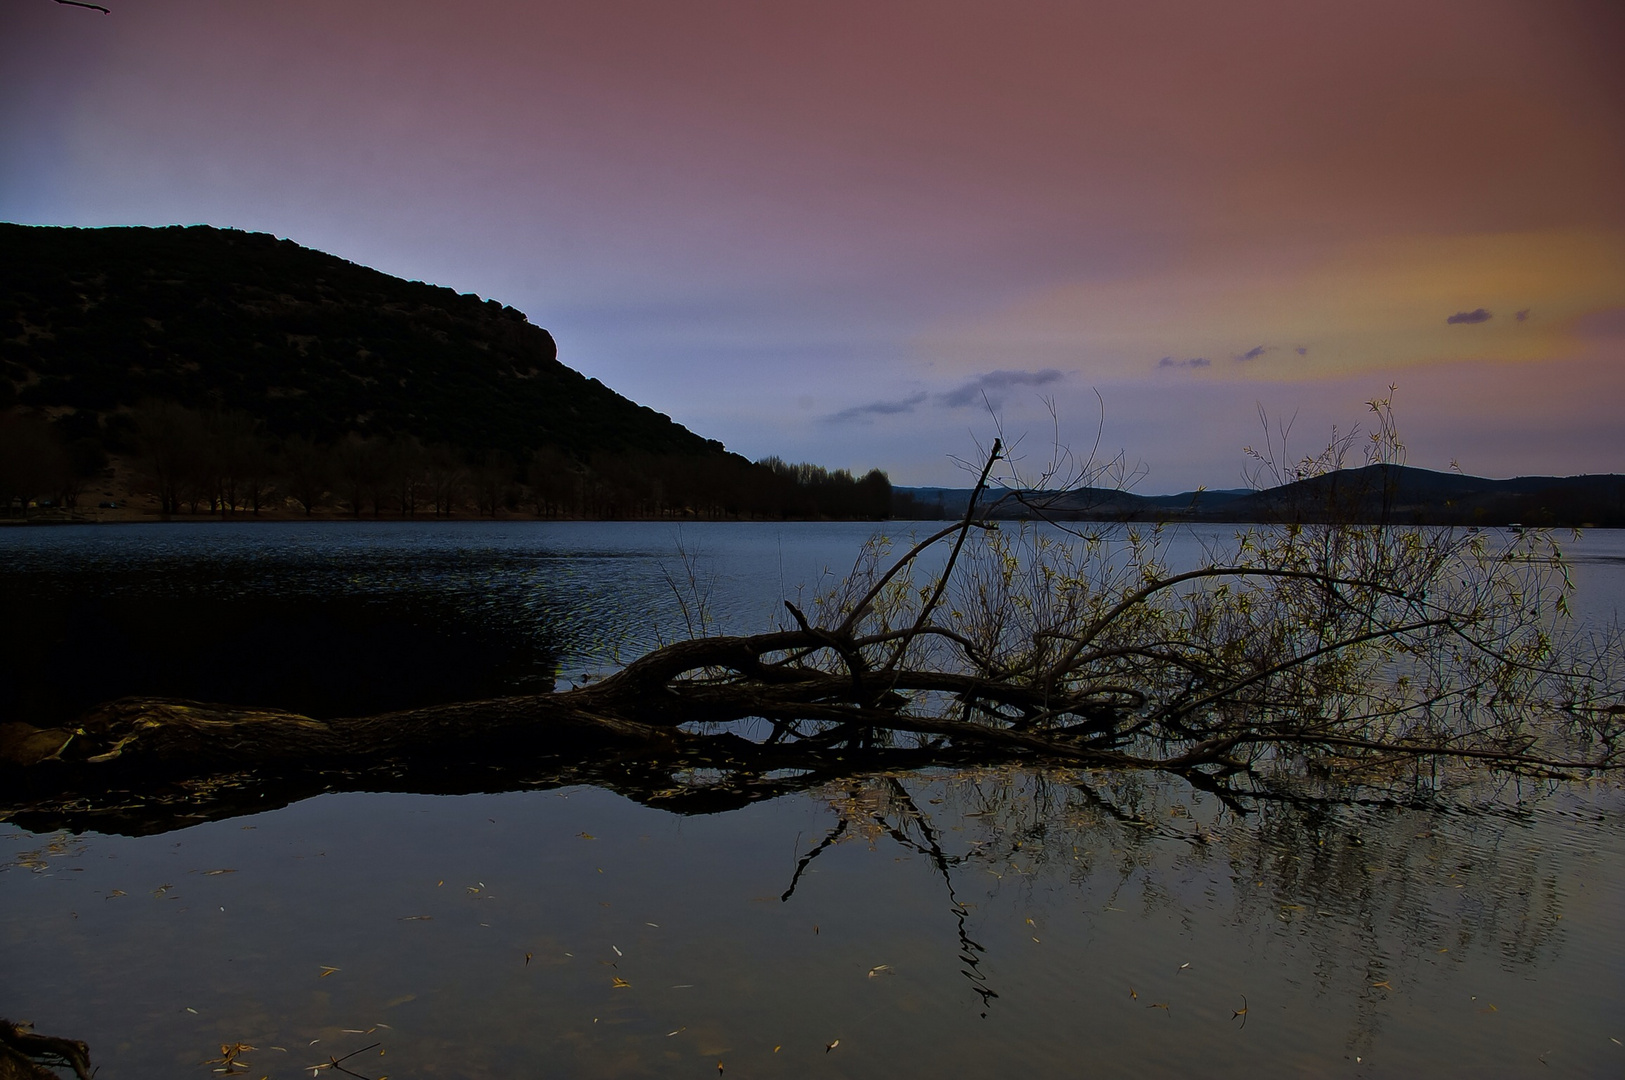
{"x": 1394, "y": 493}
{"x": 94, "y": 320}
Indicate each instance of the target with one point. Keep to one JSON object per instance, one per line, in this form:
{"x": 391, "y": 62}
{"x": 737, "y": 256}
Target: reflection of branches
{"x": 834, "y": 837}
{"x": 968, "y": 949}
{"x": 338, "y": 1062}
{"x": 928, "y": 845}
{"x": 1371, "y": 884}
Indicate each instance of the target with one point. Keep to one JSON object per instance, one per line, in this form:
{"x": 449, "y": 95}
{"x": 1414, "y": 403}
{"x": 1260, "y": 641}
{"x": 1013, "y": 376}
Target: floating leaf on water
{"x": 587, "y": 836}
{"x": 619, "y": 983}
{"x": 617, "y": 949}
{"x": 415, "y": 918}
{"x": 217, "y": 873}
{"x": 115, "y": 892}
{"x": 326, "y": 971}
{"x": 879, "y": 969}
{"x": 1133, "y": 993}
{"x": 832, "y": 1046}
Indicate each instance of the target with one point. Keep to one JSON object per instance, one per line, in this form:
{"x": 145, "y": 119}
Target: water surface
{"x": 998, "y": 923}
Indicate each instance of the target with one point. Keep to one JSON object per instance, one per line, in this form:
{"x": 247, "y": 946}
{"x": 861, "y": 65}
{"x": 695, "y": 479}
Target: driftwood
{"x": 27, "y": 1056}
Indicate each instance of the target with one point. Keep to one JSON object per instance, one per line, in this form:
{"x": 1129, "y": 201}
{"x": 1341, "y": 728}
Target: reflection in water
{"x": 1063, "y": 915}
{"x": 356, "y": 618}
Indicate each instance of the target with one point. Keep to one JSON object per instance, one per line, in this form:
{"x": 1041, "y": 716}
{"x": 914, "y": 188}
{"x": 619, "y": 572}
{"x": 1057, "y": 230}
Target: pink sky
{"x": 825, "y": 231}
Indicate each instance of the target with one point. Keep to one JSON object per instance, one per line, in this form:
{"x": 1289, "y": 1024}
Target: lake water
{"x": 956, "y": 923}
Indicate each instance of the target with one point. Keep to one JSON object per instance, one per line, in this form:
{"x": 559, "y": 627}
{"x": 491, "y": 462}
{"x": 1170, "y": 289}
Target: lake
{"x": 998, "y": 922}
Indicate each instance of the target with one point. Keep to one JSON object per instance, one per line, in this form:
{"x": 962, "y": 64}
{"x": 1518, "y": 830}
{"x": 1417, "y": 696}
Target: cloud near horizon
{"x": 1477, "y": 315}
{"x": 1254, "y": 353}
{"x": 1364, "y": 307}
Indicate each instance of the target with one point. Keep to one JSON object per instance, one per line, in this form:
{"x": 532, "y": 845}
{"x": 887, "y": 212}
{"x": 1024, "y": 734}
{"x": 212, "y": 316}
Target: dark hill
{"x": 1406, "y": 495}
{"x": 1397, "y": 494}
{"x": 93, "y": 320}
{"x": 215, "y": 371}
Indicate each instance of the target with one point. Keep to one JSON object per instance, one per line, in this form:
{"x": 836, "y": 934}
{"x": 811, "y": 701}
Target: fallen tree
{"x": 1353, "y": 649}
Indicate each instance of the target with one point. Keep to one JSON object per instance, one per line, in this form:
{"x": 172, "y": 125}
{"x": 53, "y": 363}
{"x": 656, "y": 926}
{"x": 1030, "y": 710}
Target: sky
{"x": 878, "y": 233}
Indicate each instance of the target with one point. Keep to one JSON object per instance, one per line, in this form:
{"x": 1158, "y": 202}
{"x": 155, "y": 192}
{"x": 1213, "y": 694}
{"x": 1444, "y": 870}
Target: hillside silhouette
{"x": 215, "y": 370}
{"x": 1381, "y": 493}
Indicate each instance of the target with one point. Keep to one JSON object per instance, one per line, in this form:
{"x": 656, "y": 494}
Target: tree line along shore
{"x": 169, "y": 461}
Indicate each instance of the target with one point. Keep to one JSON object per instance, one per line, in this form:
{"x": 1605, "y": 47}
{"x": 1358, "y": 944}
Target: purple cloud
{"x": 1252, "y": 354}
{"x": 1477, "y": 315}
{"x": 1522, "y": 315}
{"x": 1302, "y": 350}
{"x": 877, "y": 408}
{"x": 993, "y": 387}
{"x": 1193, "y": 362}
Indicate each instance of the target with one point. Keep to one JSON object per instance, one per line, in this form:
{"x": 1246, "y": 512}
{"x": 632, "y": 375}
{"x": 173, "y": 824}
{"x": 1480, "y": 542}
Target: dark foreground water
{"x": 953, "y": 924}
